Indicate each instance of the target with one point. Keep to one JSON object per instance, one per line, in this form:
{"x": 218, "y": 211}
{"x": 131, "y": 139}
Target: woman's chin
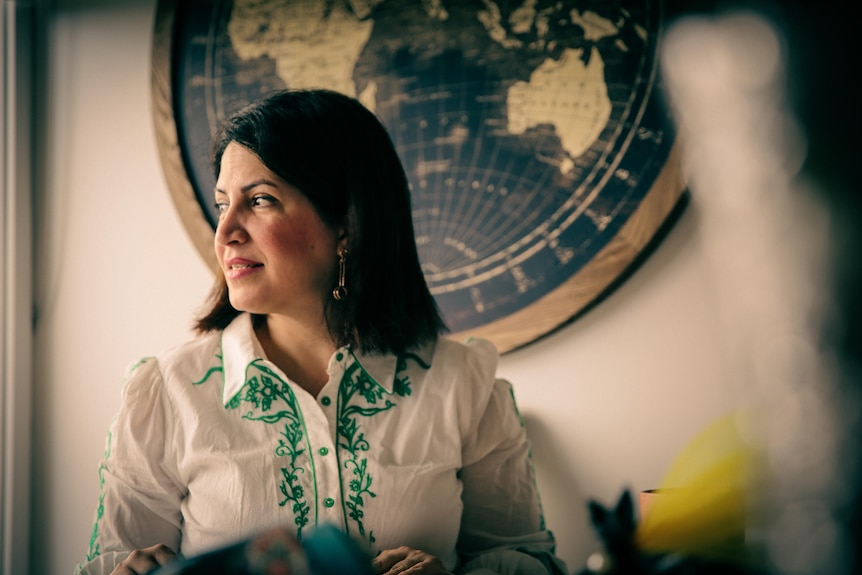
{"x": 243, "y": 305}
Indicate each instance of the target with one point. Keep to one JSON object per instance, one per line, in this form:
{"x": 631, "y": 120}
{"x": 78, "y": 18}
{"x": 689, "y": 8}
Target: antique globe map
{"x": 534, "y": 134}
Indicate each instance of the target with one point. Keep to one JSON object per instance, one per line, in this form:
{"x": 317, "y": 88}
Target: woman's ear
{"x": 342, "y": 238}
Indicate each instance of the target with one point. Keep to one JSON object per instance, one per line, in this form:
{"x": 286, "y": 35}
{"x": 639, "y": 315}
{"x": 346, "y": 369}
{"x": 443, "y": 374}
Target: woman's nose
{"x": 229, "y": 228}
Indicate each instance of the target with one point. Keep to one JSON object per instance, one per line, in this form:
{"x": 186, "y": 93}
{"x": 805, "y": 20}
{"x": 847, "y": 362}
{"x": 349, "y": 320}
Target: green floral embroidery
{"x": 270, "y": 399}
{"x": 263, "y": 392}
{"x": 542, "y": 525}
{"x": 360, "y": 395}
{"x": 292, "y": 491}
{"x": 95, "y": 548}
{"x": 216, "y": 369}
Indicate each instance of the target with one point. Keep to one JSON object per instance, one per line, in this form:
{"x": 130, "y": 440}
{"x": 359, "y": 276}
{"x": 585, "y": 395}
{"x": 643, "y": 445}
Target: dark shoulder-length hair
{"x": 340, "y": 156}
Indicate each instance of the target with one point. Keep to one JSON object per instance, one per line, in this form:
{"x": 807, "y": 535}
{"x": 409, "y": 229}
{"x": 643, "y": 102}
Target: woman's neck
{"x": 300, "y": 350}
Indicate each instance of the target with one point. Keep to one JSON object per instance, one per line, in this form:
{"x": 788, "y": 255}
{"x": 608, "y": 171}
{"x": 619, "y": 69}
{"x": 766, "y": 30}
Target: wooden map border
{"x": 514, "y": 331}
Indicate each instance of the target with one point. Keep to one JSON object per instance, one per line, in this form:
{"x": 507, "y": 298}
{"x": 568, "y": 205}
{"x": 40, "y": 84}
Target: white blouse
{"x": 213, "y": 443}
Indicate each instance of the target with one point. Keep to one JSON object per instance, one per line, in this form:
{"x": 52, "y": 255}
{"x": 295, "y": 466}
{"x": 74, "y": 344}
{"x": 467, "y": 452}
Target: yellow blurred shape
{"x": 707, "y": 496}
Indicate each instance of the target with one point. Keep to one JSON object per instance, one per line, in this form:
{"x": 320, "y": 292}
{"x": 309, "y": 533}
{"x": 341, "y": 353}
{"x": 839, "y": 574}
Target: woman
{"x": 319, "y": 390}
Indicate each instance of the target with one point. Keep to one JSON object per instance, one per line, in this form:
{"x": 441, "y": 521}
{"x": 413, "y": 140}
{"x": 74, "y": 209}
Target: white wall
{"x": 609, "y": 399}
{"x": 117, "y": 278}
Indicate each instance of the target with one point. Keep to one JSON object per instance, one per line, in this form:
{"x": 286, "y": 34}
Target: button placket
{"x": 324, "y": 447}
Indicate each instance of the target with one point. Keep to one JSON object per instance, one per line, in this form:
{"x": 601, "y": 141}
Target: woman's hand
{"x": 141, "y": 561}
{"x": 408, "y": 560}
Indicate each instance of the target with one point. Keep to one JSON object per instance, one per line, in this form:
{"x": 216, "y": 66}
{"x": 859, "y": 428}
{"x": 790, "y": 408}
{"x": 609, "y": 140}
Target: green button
{"x": 325, "y": 400}
{"x": 329, "y": 502}
{"x": 323, "y": 450}
{"x": 339, "y": 356}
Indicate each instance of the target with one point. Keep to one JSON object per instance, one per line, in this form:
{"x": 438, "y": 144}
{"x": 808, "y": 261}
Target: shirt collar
{"x": 240, "y": 347}
{"x": 381, "y": 367}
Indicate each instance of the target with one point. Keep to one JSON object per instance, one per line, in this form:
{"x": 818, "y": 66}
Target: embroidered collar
{"x": 240, "y": 348}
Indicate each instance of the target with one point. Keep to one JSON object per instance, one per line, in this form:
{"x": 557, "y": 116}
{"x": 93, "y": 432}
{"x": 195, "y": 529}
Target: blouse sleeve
{"x": 502, "y": 527}
{"x": 139, "y": 499}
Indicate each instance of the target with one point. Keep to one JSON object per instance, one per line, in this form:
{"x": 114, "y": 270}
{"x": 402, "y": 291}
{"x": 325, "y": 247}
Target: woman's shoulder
{"x": 206, "y": 344}
{"x": 468, "y": 367}
{"x": 465, "y": 372}
{"x": 477, "y": 352}
{"x": 181, "y": 360}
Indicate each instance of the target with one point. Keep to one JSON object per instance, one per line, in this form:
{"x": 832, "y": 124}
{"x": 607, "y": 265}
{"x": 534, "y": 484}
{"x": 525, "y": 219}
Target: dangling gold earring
{"x": 340, "y": 291}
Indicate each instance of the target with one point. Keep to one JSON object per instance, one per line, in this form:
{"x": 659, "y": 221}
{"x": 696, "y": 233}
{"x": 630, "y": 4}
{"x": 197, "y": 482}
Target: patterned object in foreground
{"x": 325, "y": 551}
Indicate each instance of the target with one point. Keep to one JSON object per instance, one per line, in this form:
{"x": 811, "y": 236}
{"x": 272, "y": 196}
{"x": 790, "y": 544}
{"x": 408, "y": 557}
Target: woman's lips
{"x": 238, "y": 268}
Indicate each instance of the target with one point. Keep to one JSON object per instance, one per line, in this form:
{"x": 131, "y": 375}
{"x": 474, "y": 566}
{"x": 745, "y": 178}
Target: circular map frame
{"x": 651, "y": 199}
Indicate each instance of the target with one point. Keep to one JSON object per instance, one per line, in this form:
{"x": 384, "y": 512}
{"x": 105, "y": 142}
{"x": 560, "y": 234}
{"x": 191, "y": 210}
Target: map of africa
{"x": 530, "y": 131}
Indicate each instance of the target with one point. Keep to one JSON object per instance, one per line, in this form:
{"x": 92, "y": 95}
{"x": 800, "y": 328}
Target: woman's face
{"x": 277, "y": 255}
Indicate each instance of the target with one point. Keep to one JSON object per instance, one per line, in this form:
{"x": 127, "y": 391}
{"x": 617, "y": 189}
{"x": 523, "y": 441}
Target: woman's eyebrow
{"x": 249, "y": 186}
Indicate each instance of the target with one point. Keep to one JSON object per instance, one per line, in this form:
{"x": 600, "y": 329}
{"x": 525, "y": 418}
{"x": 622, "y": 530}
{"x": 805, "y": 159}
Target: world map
{"x": 530, "y": 131}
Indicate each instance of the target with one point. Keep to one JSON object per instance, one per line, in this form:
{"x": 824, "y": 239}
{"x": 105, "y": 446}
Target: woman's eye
{"x": 262, "y": 200}
{"x": 221, "y": 207}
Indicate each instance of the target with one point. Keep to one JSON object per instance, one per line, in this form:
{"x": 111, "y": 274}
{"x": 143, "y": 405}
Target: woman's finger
{"x": 141, "y": 561}
{"x": 387, "y": 558}
{"x": 163, "y": 554}
{"x": 424, "y": 565}
{"x": 408, "y": 561}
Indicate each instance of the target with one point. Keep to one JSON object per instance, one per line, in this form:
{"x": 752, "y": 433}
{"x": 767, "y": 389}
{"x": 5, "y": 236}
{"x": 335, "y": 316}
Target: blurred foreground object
{"x": 698, "y": 522}
{"x": 324, "y": 551}
{"x": 763, "y": 96}
{"x": 709, "y": 497}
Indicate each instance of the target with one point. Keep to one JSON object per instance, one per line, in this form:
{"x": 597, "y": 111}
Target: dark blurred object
{"x": 698, "y": 521}
{"x": 323, "y": 551}
{"x": 616, "y": 529}
{"x": 823, "y": 44}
